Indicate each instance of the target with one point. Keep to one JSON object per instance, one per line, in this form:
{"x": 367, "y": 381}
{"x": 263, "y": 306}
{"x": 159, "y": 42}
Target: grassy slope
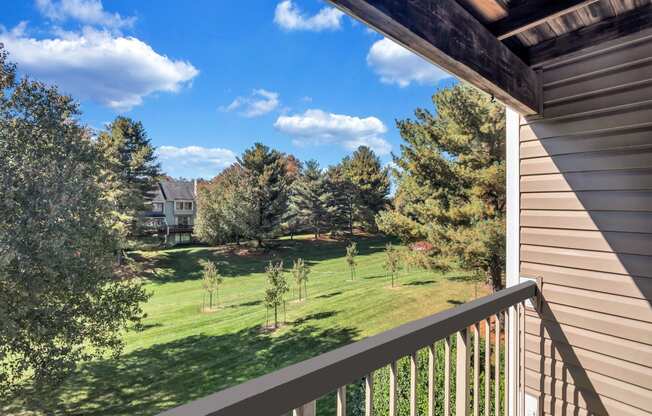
{"x": 184, "y": 354}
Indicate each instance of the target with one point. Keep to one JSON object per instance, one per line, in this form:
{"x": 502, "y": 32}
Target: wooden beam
{"x": 445, "y": 34}
{"x": 531, "y": 14}
{"x": 485, "y": 10}
{"x": 612, "y": 28}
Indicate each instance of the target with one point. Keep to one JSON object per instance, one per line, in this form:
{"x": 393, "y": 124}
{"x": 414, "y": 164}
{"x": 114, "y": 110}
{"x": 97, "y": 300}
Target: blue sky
{"x": 210, "y": 78}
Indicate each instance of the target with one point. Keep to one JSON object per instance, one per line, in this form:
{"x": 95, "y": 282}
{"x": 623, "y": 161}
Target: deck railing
{"x": 297, "y": 387}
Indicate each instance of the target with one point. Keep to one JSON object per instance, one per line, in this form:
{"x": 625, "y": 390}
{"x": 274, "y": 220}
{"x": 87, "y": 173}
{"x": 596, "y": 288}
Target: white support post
{"x": 513, "y": 254}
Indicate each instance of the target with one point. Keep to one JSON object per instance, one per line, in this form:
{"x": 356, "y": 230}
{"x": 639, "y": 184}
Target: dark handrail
{"x": 290, "y": 387}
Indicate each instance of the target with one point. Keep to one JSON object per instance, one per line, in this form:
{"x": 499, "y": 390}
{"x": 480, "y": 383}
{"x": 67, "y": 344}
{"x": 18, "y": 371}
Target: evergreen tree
{"x": 60, "y": 301}
{"x": 129, "y": 172}
{"x": 451, "y": 183}
{"x": 309, "y": 199}
{"x": 268, "y": 171}
{"x": 343, "y": 199}
{"x": 371, "y": 181}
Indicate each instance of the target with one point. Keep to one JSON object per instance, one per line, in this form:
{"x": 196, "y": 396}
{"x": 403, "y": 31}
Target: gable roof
{"x": 173, "y": 190}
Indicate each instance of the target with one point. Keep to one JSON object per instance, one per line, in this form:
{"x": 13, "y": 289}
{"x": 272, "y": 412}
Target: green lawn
{"x": 183, "y": 354}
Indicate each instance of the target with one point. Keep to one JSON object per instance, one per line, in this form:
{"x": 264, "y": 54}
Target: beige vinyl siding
{"x": 586, "y": 231}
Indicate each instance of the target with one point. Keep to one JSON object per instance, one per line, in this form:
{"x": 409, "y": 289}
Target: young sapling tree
{"x": 351, "y": 253}
{"x": 277, "y": 287}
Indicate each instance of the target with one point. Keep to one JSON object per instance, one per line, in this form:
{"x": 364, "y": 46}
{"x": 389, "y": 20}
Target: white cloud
{"x": 115, "y": 71}
{"x": 289, "y": 17}
{"x": 90, "y": 12}
{"x": 258, "y": 103}
{"x": 319, "y": 127}
{"x": 194, "y": 161}
{"x": 397, "y": 65}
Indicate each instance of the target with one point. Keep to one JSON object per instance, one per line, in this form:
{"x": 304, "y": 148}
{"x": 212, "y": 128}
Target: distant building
{"x": 172, "y": 210}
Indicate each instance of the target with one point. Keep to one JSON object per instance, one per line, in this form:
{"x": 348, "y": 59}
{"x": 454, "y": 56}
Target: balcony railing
{"x": 178, "y": 229}
{"x": 297, "y": 387}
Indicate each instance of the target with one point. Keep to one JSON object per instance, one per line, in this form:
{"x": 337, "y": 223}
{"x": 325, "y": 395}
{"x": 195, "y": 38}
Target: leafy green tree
{"x": 309, "y": 199}
{"x": 351, "y": 253}
{"x": 392, "y": 261}
{"x": 268, "y": 170}
{"x": 277, "y": 287}
{"x": 60, "y": 303}
{"x": 344, "y": 199}
{"x": 371, "y": 182}
{"x": 300, "y": 273}
{"x": 211, "y": 281}
{"x": 451, "y": 183}
{"x": 226, "y": 210}
{"x": 129, "y": 172}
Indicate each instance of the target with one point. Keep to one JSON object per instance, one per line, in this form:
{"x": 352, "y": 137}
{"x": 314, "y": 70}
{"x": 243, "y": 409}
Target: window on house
{"x": 183, "y": 205}
{"x": 183, "y": 220}
{"x": 157, "y": 207}
{"x": 187, "y": 206}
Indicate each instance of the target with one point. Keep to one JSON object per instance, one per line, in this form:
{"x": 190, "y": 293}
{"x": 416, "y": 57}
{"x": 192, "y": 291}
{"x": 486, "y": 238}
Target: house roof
{"x": 173, "y": 190}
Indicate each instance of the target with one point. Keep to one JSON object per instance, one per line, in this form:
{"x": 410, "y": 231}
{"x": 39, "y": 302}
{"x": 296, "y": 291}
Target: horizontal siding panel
{"x": 616, "y": 284}
{"x": 617, "y": 242}
{"x": 612, "y": 120}
{"x": 634, "y": 201}
{"x": 639, "y": 70}
{"x": 587, "y": 380}
{"x": 588, "y": 260}
{"x": 594, "y": 161}
{"x": 627, "y": 325}
{"x": 625, "y": 371}
{"x": 604, "y": 344}
{"x": 590, "y": 67}
{"x": 633, "y": 93}
{"x": 590, "y": 143}
{"x": 583, "y": 220}
{"x": 599, "y": 405}
{"x": 589, "y": 181}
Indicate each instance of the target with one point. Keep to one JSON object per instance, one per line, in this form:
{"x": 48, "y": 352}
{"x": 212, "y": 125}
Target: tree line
{"x": 266, "y": 194}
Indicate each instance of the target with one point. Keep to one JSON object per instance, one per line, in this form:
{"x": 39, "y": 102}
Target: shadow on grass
{"x": 179, "y": 264}
{"x": 455, "y": 302}
{"x": 315, "y": 317}
{"x": 420, "y": 283}
{"x": 250, "y": 303}
{"x": 329, "y": 295}
{"x": 151, "y": 380}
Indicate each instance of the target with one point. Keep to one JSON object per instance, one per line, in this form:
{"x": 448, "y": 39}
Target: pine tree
{"x": 451, "y": 183}
{"x": 130, "y": 171}
{"x": 343, "y": 199}
{"x": 268, "y": 170}
{"x": 371, "y": 182}
{"x": 309, "y": 199}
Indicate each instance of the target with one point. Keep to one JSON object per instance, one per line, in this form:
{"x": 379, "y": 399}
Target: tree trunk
{"x": 275, "y": 316}
{"x": 496, "y": 275}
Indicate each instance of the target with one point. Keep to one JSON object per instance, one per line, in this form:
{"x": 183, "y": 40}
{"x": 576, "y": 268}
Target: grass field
{"x": 183, "y": 353}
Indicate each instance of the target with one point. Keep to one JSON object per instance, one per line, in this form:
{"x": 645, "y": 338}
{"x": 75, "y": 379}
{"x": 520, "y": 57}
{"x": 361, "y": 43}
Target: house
{"x": 173, "y": 209}
{"x": 576, "y": 77}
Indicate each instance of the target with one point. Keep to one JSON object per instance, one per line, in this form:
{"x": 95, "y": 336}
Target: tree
{"x": 392, "y": 261}
{"x": 343, "y": 199}
{"x": 129, "y": 172}
{"x": 60, "y": 303}
{"x": 308, "y": 202}
{"x": 370, "y": 180}
{"x": 277, "y": 287}
{"x": 268, "y": 170}
{"x": 351, "y": 253}
{"x": 300, "y": 273}
{"x": 451, "y": 183}
{"x": 226, "y": 210}
{"x": 211, "y": 281}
